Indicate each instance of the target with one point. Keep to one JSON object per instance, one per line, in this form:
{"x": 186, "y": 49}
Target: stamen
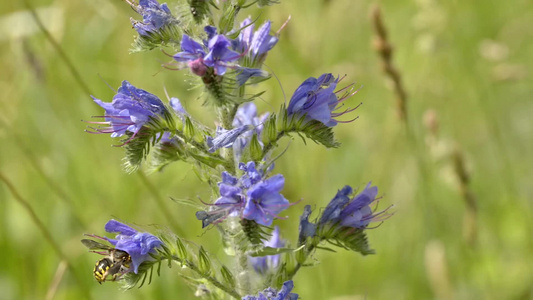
{"x": 283, "y": 25}
{"x": 349, "y": 121}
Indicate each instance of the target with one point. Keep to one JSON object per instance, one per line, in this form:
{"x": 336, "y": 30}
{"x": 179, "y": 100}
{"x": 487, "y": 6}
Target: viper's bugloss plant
{"x": 234, "y": 157}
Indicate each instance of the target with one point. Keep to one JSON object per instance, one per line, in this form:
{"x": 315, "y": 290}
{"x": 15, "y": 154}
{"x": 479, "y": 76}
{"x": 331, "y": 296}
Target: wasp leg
{"x": 101, "y": 252}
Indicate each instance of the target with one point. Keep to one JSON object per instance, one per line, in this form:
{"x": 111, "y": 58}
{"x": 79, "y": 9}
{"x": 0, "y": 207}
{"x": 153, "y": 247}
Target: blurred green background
{"x": 469, "y": 62}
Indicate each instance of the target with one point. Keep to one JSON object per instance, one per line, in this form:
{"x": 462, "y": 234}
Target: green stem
{"x": 271, "y": 144}
{"x": 293, "y": 272}
{"x": 201, "y": 147}
{"x": 226, "y": 119}
{"x": 243, "y": 277}
{"x": 207, "y": 277}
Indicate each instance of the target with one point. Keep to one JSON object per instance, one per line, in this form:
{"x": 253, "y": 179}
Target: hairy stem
{"x": 296, "y": 268}
{"x": 272, "y": 143}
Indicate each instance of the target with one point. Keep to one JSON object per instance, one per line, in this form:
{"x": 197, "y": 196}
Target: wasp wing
{"x": 93, "y": 245}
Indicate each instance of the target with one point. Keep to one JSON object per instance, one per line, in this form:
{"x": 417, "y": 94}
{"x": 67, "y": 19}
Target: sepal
{"x": 281, "y": 125}
{"x": 254, "y": 234}
{"x": 230, "y": 10}
{"x": 346, "y": 237}
{"x": 200, "y": 9}
{"x": 204, "y": 262}
{"x": 136, "y": 149}
{"x": 146, "y": 269}
{"x": 169, "y": 35}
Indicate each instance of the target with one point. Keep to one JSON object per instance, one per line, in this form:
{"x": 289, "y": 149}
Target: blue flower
{"x": 316, "y": 99}
{"x": 335, "y": 206}
{"x": 230, "y": 202}
{"x": 255, "y": 44}
{"x": 178, "y": 108}
{"x": 225, "y": 138}
{"x": 264, "y": 201}
{"x": 353, "y": 212}
{"x": 219, "y": 54}
{"x": 193, "y": 53}
{"x": 272, "y": 294}
{"x": 155, "y": 16}
{"x": 306, "y": 229}
{"x": 247, "y": 73}
{"x": 129, "y": 111}
{"x": 215, "y": 53}
{"x": 247, "y": 115}
{"x": 138, "y": 245}
{"x": 265, "y": 264}
{"x": 251, "y": 196}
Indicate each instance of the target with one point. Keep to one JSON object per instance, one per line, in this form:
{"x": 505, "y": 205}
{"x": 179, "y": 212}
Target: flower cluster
{"x": 316, "y": 99}
{"x": 235, "y": 159}
{"x": 130, "y": 110}
{"x": 344, "y": 219}
{"x": 252, "y": 197}
{"x": 254, "y": 44}
{"x": 215, "y": 53}
{"x": 272, "y": 294}
{"x": 155, "y": 16}
{"x": 354, "y": 212}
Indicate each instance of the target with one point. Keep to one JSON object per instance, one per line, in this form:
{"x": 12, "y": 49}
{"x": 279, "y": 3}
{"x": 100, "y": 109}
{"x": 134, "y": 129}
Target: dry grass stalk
{"x": 385, "y": 50}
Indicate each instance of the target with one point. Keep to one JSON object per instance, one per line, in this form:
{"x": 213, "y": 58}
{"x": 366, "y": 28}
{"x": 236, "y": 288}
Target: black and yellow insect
{"x": 115, "y": 264}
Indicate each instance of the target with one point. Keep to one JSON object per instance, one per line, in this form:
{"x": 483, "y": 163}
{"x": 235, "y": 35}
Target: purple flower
{"x": 354, "y": 212}
{"x": 247, "y": 73}
{"x": 306, "y": 228}
{"x": 264, "y": 202}
{"x": 358, "y": 214}
{"x": 219, "y": 54}
{"x": 256, "y": 44}
{"x": 178, "y": 108}
{"x": 272, "y": 294}
{"x": 225, "y": 138}
{"x": 193, "y": 53}
{"x": 155, "y": 16}
{"x": 138, "y": 245}
{"x": 333, "y": 210}
{"x": 264, "y": 264}
{"x": 316, "y": 99}
{"x": 129, "y": 111}
{"x": 251, "y": 196}
{"x": 247, "y": 115}
{"x": 230, "y": 203}
{"x": 215, "y": 53}
{"x": 251, "y": 175}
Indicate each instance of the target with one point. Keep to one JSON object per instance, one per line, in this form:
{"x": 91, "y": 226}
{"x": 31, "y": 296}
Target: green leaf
{"x": 204, "y": 262}
{"x": 256, "y": 150}
{"x": 254, "y": 233}
{"x": 136, "y": 148}
{"x": 181, "y": 249}
{"x": 229, "y": 13}
{"x": 351, "y": 239}
{"x": 228, "y": 277}
{"x": 168, "y": 35}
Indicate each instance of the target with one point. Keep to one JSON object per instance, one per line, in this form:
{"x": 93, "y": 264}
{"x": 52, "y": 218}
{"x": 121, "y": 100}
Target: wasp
{"x": 115, "y": 263}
